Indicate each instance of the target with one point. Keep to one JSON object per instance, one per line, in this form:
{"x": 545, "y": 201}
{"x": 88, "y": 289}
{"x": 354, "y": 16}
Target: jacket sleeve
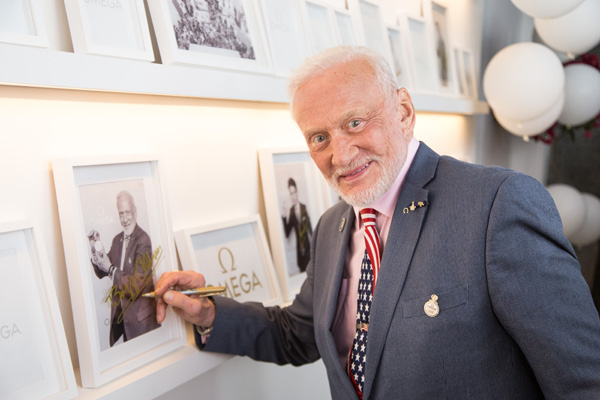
{"x": 538, "y": 292}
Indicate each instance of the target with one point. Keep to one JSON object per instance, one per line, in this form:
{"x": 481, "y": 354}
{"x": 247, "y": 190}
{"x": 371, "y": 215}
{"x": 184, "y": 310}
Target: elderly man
{"x": 434, "y": 279}
{"x": 128, "y": 264}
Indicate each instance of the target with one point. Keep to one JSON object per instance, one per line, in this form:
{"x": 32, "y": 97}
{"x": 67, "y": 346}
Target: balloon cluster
{"x": 526, "y": 85}
{"x": 579, "y": 212}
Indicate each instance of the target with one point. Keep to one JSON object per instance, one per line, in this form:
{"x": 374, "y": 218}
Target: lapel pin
{"x": 432, "y": 309}
{"x": 413, "y": 207}
{"x": 342, "y": 224}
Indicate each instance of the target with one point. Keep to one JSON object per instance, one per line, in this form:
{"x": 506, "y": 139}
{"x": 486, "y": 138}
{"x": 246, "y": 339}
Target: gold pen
{"x": 201, "y": 292}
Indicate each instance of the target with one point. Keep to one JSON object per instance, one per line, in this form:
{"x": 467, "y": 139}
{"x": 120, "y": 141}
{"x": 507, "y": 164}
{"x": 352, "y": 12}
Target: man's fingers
{"x": 179, "y": 279}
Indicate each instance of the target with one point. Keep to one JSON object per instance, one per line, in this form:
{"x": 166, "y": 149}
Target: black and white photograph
{"x": 295, "y": 197}
{"x": 212, "y": 26}
{"x": 373, "y": 27}
{"x": 345, "y": 28}
{"x": 293, "y": 192}
{"x": 469, "y": 73}
{"x": 118, "y": 241}
{"x": 115, "y": 218}
{"x": 460, "y": 73}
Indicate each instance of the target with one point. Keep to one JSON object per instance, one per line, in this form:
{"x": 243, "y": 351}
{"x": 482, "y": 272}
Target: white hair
{"x": 333, "y": 56}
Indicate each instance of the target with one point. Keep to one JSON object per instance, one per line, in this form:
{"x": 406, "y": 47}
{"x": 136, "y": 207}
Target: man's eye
{"x": 319, "y": 138}
{"x": 354, "y": 123}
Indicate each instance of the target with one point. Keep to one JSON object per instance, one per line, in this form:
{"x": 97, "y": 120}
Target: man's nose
{"x": 343, "y": 150}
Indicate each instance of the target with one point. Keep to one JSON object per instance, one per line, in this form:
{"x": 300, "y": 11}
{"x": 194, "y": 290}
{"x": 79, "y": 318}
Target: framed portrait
{"x": 400, "y": 65}
{"x": 225, "y": 34}
{"x": 470, "y": 74}
{"x": 118, "y": 240}
{"x": 117, "y": 28}
{"x": 443, "y": 49}
{"x": 22, "y": 22}
{"x": 294, "y": 201}
{"x": 35, "y": 356}
{"x": 233, "y": 254}
{"x": 420, "y": 55}
{"x": 319, "y": 25}
{"x": 345, "y": 28}
{"x": 285, "y": 34}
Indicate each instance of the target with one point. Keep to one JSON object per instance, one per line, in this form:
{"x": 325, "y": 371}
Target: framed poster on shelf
{"x": 443, "y": 50}
{"x": 345, "y": 28}
{"x": 470, "y": 74}
{"x": 35, "y": 356}
{"x": 285, "y": 34}
{"x": 110, "y": 28}
{"x": 118, "y": 240}
{"x": 319, "y": 25}
{"x": 294, "y": 201}
{"x": 373, "y": 27}
{"x": 22, "y": 22}
{"x": 212, "y": 33}
{"x": 400, "y": 65}
{"x": 233, "y": 254}
{"x": 420, "y": 55}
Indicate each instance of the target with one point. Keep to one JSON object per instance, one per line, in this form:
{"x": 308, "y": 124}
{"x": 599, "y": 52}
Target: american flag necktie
{"x": 366, "y": 287}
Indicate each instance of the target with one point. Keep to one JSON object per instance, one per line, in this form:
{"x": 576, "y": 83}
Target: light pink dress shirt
{"x": 344, "y": 323}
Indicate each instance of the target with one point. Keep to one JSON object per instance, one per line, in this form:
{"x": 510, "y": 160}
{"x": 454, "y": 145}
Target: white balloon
{"x": 522, "y": 81}
{"x": 575, "y": 32}
{"x": 546, "y": 8}
{"x": 582, "y": 94}
{"x": 570, "y": 205}
{"x": 589, "y": 232}
{"x": 533, "y": 126}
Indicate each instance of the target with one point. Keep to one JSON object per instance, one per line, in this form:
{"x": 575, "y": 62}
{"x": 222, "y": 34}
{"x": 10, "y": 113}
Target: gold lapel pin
{"x": 342, "y": 224}
{"x": 413, "y": 207}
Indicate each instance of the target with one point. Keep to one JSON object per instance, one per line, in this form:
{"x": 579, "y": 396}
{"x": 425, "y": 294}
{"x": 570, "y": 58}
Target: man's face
{"x": 293, "y": 194}
{"x": 127, "y": 215}
{"x": 356, "y": 135}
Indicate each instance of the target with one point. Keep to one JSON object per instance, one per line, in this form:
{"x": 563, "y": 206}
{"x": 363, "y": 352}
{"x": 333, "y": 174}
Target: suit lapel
{"x": 400, "y": 246}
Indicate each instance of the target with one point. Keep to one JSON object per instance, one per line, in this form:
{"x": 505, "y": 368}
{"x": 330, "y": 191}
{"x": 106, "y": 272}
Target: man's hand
{"x": 197, "y": 310}
{"x": 102, "y": 261}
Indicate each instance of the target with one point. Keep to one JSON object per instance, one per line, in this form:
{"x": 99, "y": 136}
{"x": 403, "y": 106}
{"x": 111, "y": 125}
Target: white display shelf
{"x": 157, "y": 377}
{"x": 25, "y": 66}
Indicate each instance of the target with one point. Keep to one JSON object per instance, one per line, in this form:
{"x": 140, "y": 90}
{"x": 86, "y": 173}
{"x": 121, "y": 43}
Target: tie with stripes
{"x": 366, "y": 287}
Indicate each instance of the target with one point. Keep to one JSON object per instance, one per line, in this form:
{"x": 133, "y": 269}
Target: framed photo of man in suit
{"x": 294, "y": 200}
{"x": 118, "y": 241}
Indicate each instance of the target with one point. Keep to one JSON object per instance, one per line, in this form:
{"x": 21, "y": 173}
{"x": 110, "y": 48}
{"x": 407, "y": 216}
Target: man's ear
{"x": 407, "y": 109}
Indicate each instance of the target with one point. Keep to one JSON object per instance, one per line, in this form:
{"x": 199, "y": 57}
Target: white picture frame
{"x": 400, "y": 59}
{"x": 22, "y": 22}
{"x": 233, "y": 254}
{"x": 285, "y": 33}
{"x": 421, "y": 55}
{"x": 110, "y": 28}
{"x": 100, "y": 200}
{"x": 444, "y": 63}
{"x": 194, "y": 38}
{"x": 469, "y": 73}
{"x": 345, "y": 28}
{"x": 373, "y": 28}
{"x": 35, "y": 356}
{"x": 319, "y": 25}
{"x": 291, "y": 250}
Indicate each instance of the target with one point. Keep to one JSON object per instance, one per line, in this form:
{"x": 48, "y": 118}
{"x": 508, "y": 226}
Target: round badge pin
{"x": 432, "y": 309}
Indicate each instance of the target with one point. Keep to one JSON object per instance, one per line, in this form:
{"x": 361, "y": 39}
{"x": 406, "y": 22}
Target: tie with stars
{"x": 366, "y": 287}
